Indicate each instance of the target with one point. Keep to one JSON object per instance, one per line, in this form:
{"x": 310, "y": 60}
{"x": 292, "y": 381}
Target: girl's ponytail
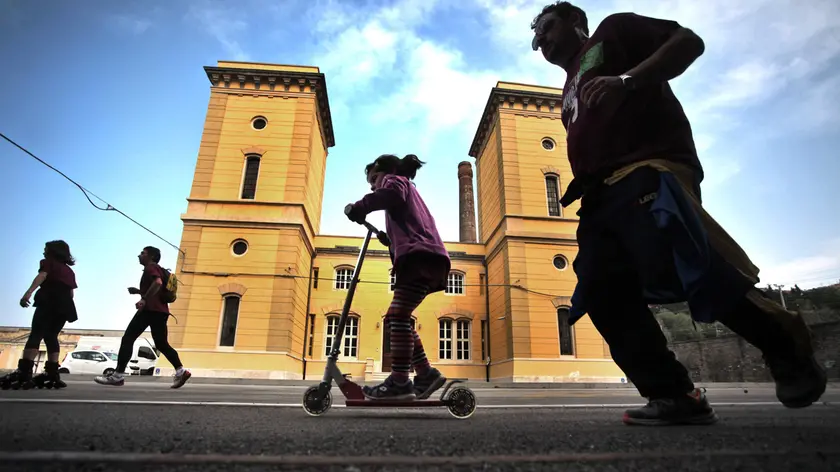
{"x": 409, "y": 165}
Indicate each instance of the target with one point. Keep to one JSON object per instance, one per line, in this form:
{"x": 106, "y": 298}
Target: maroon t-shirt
{"x": 155, "y": 303}
{"x": 57, "y": 273}
{"x": 648, "y": 124}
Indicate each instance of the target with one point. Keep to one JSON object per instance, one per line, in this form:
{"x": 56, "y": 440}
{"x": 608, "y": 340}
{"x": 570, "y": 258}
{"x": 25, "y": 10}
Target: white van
{"x": 144, "y": 355}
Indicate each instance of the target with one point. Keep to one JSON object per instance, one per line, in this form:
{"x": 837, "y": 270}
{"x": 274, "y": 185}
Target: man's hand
{"x": 24, "y": 300}
{"x": 134, "y": 291}
{"x": 355, "y": 215}
{"x": 609, "y": 90}
{"x": 140, "y": 305}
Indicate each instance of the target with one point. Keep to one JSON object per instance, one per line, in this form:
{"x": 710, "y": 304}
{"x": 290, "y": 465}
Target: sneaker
{"x": 690, "y": 409}
{"x": 426, "y": 385}
{"x": 390, "y": 390}
{"x": 178, "y": 380}
{"x": 114, "y": 379}
{"x": 799, "y": 382}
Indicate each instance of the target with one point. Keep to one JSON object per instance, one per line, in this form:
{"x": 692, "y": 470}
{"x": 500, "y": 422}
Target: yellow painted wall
{"x": 274, "y": 337}
{"x": 490, "y": 205}
{"x": 279, "y": 226}
{"x": 522, "y": 240}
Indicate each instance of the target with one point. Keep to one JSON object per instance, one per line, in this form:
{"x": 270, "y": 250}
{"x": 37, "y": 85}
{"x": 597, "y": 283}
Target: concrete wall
{"x": 731, "y": 359}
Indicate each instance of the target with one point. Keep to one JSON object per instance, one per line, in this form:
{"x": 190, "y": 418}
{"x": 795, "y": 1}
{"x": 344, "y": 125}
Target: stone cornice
{"x": 254, "y": 80}
{"x": 538, "y": 103}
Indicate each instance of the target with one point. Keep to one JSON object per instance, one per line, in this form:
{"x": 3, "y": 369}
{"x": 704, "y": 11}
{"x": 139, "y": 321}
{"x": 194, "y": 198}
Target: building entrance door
{"x": 386, "y": 346}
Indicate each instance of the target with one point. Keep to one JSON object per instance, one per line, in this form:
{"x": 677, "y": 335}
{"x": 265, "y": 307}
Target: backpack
{"x": 169, "y": 291}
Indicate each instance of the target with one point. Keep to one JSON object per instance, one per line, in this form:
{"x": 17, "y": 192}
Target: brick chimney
{"x": 466, "y": 203}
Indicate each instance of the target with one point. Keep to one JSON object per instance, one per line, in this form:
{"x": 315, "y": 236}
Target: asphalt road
{"x": 203, "y": 427}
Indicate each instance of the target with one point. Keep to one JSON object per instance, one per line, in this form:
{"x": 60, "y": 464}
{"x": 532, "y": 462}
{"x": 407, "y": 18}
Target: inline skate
{"x": 21, "y": 379}
{"x": 50, "y": 378}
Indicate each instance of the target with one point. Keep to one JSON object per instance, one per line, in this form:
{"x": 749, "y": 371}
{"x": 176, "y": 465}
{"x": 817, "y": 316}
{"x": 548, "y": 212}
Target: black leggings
{"x": 142, "y": 320}
{"x": 46, "y": 326}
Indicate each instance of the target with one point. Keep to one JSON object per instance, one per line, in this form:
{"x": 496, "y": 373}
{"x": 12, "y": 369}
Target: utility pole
{"x": 781, "y": 295}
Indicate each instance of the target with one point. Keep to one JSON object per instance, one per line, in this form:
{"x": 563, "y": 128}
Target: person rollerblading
{"x": 54, "y": 306}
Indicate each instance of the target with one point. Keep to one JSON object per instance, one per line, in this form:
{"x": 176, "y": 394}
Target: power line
{"x": 87, "y": 194}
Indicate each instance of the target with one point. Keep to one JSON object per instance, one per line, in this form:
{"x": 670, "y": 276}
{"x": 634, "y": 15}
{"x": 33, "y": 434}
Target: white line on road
{"x": 298, "y": 405}
{"x": 326, "y": 461}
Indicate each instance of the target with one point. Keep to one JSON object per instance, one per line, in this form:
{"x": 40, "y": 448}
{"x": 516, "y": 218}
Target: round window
{"x": 560, "y": 262}
{"x": 239, "y": 247}
{"x": 259, "y": 123}
{"x": 548, "y": 144}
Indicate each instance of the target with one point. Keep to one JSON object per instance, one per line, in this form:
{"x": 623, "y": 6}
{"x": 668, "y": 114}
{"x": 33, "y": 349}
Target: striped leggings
{"x": 406, "y": 347}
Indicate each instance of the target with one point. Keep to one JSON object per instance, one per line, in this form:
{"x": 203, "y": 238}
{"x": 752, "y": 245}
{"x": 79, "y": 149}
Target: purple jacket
{"x": 408, "y": 222}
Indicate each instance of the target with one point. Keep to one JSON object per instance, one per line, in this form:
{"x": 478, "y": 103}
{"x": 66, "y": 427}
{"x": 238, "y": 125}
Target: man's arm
{"x": 670, "y": 60}
{"x": 153, "y": 289}
{"x": 661, "y": 49}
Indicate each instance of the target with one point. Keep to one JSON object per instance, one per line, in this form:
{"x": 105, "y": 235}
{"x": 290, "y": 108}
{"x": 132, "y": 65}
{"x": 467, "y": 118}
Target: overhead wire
{"x": 87, "y": 193}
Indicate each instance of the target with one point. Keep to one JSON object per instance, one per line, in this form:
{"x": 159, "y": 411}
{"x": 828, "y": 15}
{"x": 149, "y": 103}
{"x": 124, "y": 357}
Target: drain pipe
{"x": 306, "y": 325}
{"x": 487, "y": 315}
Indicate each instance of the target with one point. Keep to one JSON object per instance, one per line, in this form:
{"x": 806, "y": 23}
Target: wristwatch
{"x": 628, "y": 81}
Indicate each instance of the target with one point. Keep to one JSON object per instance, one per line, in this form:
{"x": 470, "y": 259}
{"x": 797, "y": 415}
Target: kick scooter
{"x": 317, "y": 400}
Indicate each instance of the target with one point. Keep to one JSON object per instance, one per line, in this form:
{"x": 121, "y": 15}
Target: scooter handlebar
{"x": 380, "y": 235}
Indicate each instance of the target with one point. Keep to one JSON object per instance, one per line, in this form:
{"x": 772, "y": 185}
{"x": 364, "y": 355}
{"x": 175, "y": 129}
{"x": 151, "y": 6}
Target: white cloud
{"x": 224, "y": 23}
{"x": 720, "y": 172}
{"x": 359, "y": 53}
{"x": 820, "y": 267}
{"x": 133, "y": 24}
{"x": 361, "y": 46}
{"x": 440, "y": 91}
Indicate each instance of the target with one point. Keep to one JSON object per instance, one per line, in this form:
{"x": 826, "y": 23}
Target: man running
{"x": 152, "y": 311}
{"x": 643, "y": 235}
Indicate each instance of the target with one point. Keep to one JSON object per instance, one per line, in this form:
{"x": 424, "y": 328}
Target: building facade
{"x": 263, "y": 288}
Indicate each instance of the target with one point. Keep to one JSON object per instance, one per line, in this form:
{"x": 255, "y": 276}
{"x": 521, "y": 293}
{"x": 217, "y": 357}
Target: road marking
{"x": 616, "y": 391}
{"x": 338, "y": 405}
{"x": 327, "y": 461}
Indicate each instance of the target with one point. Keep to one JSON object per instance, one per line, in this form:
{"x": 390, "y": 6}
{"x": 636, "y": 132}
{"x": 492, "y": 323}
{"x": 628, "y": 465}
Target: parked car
{"x": 89, "y": 362}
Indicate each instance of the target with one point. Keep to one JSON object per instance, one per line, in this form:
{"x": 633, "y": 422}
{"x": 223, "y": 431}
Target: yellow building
{"x": 262, "y": 288}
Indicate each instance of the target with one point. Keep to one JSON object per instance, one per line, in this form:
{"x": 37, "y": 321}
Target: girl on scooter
{"x": 420, "y": 264}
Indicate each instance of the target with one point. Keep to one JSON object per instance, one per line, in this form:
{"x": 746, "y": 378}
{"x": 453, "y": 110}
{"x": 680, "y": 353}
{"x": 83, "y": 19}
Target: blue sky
{"x": 114, "y": 95}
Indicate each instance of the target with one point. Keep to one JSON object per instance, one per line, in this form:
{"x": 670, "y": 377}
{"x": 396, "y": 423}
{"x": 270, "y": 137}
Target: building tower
{"x": 466, "y": 203}
{"x": 522, "y": 169}
{"x": 253, "y": 212}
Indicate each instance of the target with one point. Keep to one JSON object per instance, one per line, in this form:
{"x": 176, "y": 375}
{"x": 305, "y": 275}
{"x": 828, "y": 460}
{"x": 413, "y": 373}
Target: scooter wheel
{"x": 314, "y": 407}
{"x": 461, "y": 402}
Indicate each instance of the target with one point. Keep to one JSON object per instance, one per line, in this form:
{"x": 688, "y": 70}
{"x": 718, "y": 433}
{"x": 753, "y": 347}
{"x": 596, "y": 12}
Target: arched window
{"x": 249, "y": 179}
{"x": 455, "y": 283}
{"x": 343, "y": 276}
{"x": 230, "y": 317}
{"x": 567, "y": 342}
{"x": 350, "y": 339}
{"x": 454, "y": 339}
{"x": 552, "y": 193}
